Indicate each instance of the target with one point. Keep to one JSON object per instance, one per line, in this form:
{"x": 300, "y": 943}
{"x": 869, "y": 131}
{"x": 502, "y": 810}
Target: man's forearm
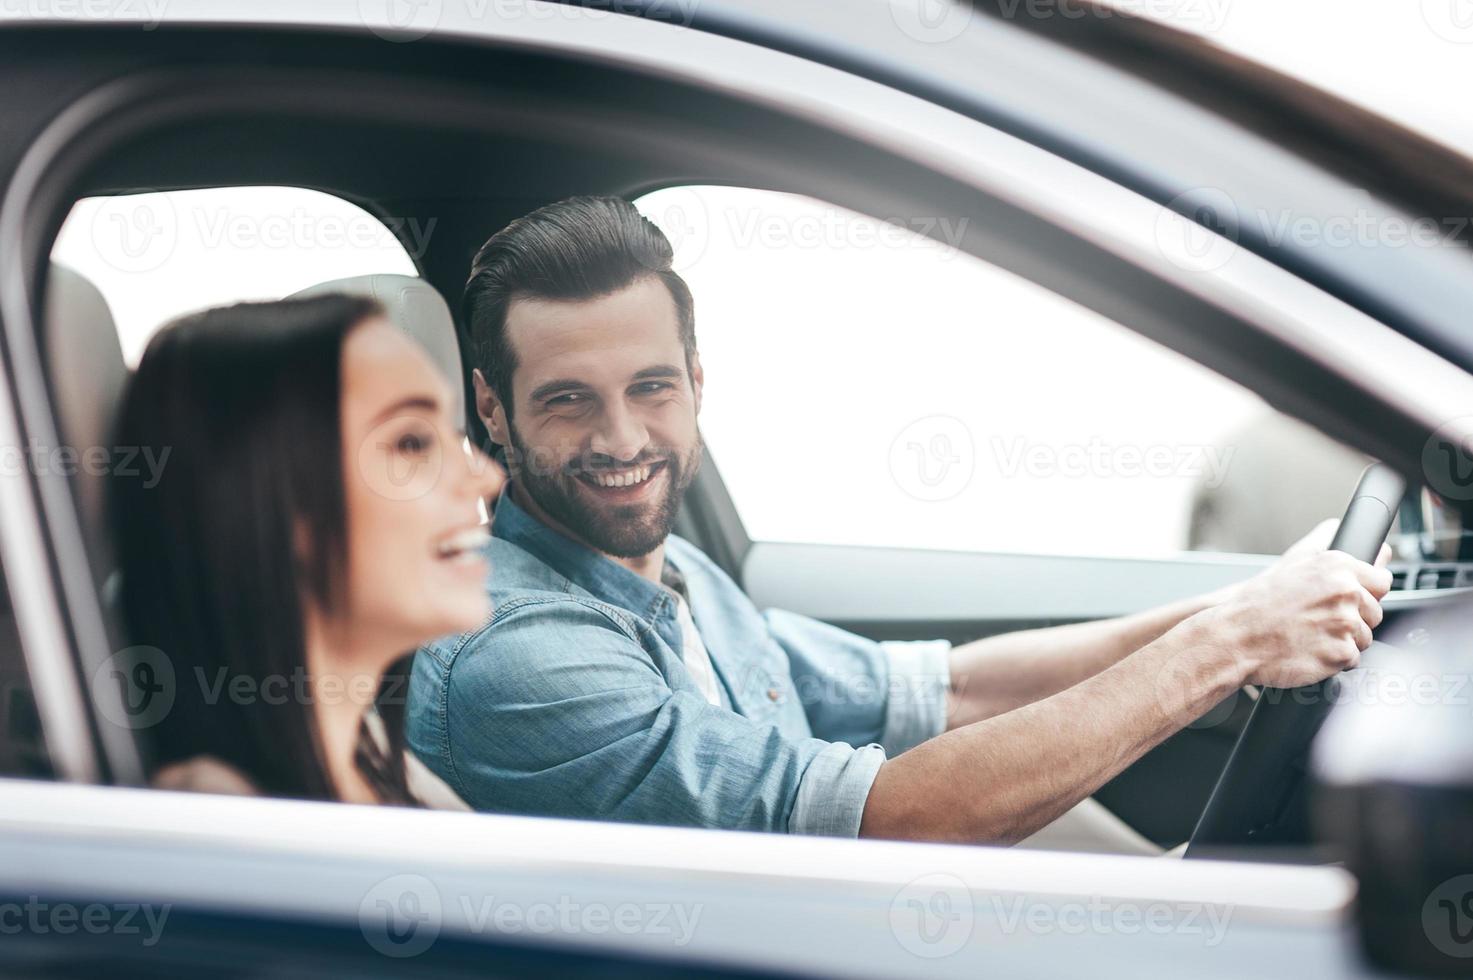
{"x": 1000, "y": 779}
{"x": 993, "y": 676}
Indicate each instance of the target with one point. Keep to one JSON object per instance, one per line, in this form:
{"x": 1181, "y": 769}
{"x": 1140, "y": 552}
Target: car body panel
{"x": 256, "y": 861}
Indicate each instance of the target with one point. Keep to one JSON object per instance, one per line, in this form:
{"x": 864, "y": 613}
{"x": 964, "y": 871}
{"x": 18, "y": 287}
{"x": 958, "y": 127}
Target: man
{"x": 623, "y": 676}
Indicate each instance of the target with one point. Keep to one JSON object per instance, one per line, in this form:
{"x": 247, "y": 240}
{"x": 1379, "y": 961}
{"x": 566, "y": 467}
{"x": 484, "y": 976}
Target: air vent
{"x": 1439, "y": 575}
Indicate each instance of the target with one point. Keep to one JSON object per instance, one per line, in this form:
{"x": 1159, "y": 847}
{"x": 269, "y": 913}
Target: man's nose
{"x": 620, "y": 434}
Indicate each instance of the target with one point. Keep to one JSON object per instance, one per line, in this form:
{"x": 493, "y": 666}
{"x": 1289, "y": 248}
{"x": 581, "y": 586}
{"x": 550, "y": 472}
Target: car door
{"x": 976, "y": 456}
{"x": 945, "y": 171}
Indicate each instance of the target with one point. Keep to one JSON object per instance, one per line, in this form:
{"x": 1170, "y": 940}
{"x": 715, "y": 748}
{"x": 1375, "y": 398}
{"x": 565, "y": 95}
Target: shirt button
{"x": 773, "y": 694}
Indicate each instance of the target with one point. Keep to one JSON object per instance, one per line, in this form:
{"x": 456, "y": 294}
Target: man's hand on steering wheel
{"x": 1308, "y": 616}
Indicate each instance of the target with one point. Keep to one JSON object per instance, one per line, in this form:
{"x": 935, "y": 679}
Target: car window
{"x": 155, "y": 256}
{"x": 868, "y": 383}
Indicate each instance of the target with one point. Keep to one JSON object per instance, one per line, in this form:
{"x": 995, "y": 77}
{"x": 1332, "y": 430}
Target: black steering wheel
{"x": 1251, "y": 801}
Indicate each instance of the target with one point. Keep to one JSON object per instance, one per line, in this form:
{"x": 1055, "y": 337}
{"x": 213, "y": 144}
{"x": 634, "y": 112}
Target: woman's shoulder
{"x": 426, "y": 787}
{"x": 203, "y": 774}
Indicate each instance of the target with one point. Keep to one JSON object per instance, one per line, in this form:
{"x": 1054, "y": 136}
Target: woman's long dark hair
{"x": 246, "y": 522}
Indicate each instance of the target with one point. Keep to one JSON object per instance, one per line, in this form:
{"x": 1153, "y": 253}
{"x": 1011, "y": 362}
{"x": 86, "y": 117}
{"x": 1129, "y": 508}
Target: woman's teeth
{"x": 465, "y": 546}
{"x": 627, "y": 478}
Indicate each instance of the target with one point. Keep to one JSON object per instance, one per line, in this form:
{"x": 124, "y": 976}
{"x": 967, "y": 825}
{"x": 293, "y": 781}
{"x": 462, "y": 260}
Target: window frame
{"x": 1051, "y": 235}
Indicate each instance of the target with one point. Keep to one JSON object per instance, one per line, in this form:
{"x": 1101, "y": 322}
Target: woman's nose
{"x": 486, "y": 475}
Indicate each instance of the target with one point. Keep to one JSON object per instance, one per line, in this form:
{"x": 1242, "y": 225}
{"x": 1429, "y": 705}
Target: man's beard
{"x": 624, "y": 531}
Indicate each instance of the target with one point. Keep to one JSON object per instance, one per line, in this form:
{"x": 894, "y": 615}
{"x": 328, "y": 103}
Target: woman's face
{"x": 415, "y": 562}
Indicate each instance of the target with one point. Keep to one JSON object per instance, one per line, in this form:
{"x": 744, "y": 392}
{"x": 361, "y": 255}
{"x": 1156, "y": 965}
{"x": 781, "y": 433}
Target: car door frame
{"x": 1043, "y": 233}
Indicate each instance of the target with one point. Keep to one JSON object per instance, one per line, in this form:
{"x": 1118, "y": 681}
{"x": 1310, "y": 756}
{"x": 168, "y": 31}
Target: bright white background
{"x": 1409, "y": 60}
{"x": 864, "y": 388}
{"x": 866, "y": 385}
{"x": 155, "y": 256}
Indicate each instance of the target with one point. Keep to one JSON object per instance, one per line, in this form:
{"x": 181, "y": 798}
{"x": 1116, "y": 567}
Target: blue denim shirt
{"x": 573, "y": 700}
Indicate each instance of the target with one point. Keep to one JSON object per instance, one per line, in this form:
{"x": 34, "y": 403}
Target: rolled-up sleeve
{"x": 556, "y": 709}
{"x": 859, "y": 691}
{"x": 920, "y": 679}
{"x": 834, "y": 789}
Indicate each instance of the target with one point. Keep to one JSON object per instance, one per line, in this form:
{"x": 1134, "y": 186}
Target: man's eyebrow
{"x": 659, "y": 371}
{"x": 427, "y": 402}
{"x": 557, "y": 387}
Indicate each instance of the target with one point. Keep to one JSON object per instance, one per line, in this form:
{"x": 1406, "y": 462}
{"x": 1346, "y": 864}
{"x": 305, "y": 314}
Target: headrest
{"x": 419, "y": 310}
{"x": 88, "y": 375}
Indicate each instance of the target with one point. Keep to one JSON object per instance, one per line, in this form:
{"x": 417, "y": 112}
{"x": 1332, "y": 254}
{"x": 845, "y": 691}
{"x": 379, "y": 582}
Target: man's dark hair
{"x": 577, "y": 249}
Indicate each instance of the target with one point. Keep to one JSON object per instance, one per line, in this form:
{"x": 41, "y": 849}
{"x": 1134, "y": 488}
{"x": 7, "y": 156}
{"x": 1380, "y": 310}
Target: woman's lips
{"x": 464, "y": 547}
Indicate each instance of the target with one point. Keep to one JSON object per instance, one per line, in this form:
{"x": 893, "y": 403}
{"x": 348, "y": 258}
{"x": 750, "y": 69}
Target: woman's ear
{"x": 490, "y": 409}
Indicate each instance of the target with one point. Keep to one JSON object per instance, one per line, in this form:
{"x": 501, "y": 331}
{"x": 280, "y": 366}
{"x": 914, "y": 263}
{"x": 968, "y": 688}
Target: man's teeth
{"x": 627, "y": 478}
{"x": 466, "y": 545}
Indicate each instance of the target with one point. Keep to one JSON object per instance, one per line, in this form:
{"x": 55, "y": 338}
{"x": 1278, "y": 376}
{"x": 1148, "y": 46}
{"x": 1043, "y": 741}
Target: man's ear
{"x": 697, "y": 379}
{"x": 490, "y": 409}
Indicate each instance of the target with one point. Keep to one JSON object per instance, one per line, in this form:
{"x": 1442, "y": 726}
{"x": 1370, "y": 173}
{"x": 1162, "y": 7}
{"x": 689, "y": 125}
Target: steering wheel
{"x": 1253, "y": 794}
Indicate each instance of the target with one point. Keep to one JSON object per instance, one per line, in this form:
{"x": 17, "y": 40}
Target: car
{"x": 1113, "y": 178}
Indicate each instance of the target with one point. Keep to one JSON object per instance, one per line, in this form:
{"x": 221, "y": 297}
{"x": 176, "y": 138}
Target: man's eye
{"x": 651, "y": 387}
{"x": 572, "y": 398}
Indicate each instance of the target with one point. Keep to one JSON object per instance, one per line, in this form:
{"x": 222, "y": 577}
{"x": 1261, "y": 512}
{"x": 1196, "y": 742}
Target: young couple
{"x": 606, "y": 669}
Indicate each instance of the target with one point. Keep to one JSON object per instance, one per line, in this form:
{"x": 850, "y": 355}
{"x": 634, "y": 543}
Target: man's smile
{"x": 623, "y": 484}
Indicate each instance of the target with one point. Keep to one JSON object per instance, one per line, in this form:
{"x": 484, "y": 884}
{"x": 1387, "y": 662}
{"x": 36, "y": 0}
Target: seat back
{"x": 419, "y": 310}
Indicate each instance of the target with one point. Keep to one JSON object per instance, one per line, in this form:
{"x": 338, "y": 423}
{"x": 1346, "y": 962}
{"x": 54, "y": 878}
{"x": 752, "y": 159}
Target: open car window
{"x": 913, "y": 395}
{"x": 159, "y": 255}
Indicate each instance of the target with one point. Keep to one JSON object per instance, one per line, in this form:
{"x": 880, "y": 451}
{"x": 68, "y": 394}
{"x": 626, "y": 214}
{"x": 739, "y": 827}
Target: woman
{"x": 315, "y": 520}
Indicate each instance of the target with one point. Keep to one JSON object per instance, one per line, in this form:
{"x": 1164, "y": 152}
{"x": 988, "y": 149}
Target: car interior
{"x": 439, "y": 131}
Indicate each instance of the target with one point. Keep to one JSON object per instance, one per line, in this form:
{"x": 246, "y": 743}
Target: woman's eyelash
{"x": 412, "y": 442}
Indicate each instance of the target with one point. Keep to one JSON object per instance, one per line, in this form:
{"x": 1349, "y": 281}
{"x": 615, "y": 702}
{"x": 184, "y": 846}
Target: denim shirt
{"x": 573, "y": 699}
